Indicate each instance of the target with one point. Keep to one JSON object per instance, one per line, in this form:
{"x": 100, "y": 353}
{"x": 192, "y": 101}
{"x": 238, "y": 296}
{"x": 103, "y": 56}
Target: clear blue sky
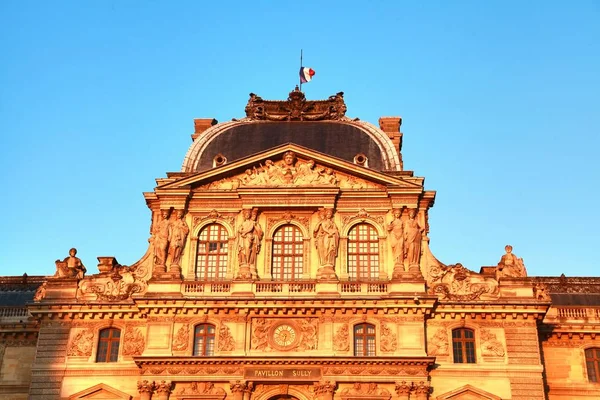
{"x": 500, "y": 101}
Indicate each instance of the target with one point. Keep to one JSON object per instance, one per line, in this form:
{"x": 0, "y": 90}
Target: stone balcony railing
{"x": 274, "y": 289}
{"x": 574, "y": 314}
{"x": 13, "y": 314}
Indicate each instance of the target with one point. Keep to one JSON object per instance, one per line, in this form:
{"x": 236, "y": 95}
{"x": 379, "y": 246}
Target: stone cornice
{"x": 490, "y": 310}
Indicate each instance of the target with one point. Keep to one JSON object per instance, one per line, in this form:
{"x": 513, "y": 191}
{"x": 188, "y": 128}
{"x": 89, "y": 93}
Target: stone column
{"x": 163, "y": 390}
{"x": 421, "y": 390}
{"x": 324, "y": 390}
{"x": 240, "y": 390}
{"x": 145, "y": 389}
{"x": 403, "y": 389}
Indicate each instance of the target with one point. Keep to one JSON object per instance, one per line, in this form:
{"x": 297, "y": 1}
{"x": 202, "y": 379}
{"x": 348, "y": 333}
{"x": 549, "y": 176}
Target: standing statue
{"x": 250, "y": 235}
{"x": 327, "y": 238}
{"x": 396, "y": 229}
{"x": 413, "y": 234}
{"x": 178, "y": 233}
{"x": 510, "y": 265}
{"x": 70, "y": 267}
{"x": 161, "y": 239}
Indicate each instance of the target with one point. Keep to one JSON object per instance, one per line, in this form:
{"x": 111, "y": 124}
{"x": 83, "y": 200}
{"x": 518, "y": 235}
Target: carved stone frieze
{"x": 341, "y": 339}
{"x": 490, "y": 346}
{"x": 366, "y": 390}
{"x": 182, "y": 338}
{"x": 438, "y": 344}
{"x": 388, "y": 341}
{"x": 133, "y": 342}
{"x": 226, "y": 340}
{"x": 200, "y": 388}
{"x": 296, "y": 108}
{"x": 81, "y": 345}
{"x": 376, "y": 370}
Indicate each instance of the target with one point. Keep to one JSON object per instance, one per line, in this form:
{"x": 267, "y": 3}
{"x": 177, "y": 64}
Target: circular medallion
{"x": 284, "y": 336}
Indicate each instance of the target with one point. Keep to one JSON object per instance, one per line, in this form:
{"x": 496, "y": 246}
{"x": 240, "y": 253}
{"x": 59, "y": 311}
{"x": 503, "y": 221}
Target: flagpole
{"x": 300, "y": 69}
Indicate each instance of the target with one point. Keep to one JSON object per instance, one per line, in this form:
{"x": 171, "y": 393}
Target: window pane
{"x": 363, "y": 253}
{"x": 211, "y": 258}
{"x": 288, "y": 246}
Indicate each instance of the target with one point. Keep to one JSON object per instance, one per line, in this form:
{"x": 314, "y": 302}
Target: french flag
{"x": 306, "y": 74}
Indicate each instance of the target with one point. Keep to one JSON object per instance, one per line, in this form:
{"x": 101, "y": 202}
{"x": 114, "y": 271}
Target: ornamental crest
{"x": 296, "y": 108}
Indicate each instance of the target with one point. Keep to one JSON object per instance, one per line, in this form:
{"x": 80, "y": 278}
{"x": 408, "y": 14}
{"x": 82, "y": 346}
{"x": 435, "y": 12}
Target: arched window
{"x": 364, "y": 340}
{"x": 211, "y": 260}
{"x": 287, "y": 263}
{"x": 108, "y": 345}
{"x": 363, "y": 253}
{"x": 592, "y": 363}
{"x": 463, "y": 346}
{"x": 204, "y": 340}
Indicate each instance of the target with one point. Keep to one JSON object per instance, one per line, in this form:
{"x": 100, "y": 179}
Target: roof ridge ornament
{"x": 296, "y": 108}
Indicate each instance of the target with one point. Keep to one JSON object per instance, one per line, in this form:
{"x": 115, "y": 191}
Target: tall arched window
{"x": 108, "y": 345}
{"x": 204, "y": 340}
{"x": 364, "y": 340}
{"x": 363, "y": 253}
{"x": 592, "y": 363}
{"x": 211, "y": 260}
{"x": 463, "y": 346}
{"x": 288, "y": 246}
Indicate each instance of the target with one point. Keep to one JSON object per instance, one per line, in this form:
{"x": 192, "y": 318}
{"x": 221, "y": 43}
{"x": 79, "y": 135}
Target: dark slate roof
{"x": 16, "y": 291}
{"x": 337, "y": 139}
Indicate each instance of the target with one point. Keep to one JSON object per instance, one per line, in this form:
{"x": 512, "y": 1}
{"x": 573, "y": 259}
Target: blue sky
{"x": 500, "y": 101}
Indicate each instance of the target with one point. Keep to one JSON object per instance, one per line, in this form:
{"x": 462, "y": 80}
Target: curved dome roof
{"x": 318, "y": 125}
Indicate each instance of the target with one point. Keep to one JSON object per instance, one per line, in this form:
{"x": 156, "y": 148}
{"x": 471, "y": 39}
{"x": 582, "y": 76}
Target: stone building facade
{"x": 290, "y": 259}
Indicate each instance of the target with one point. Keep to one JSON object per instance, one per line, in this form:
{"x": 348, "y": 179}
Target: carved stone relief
{"x": 214, "y": 215}
{"x": 117, "y": 285}
{"x": 133, "y": 342}
{"x": 288, "y": 217}
{"x": 300, "y": 334}
{"x": 438, "y": 344}
{"x": 81, "y": 345}
{"x": 182, "y": 338}
{"x": 290, "y": 172}
{"x": 490, "y": 346}
{"x": 455, "y": 282}
{"x": 226, "y": 341}
{"x": 388, "y": 341}
{"x": 341, "y": 339}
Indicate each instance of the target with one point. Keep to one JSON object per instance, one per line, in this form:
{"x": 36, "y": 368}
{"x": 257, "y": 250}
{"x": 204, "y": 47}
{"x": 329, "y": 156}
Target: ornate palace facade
{"x": 290, "y": 259}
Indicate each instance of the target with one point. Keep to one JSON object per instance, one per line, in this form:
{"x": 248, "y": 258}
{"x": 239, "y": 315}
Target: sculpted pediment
{"x": 290, "y": 166}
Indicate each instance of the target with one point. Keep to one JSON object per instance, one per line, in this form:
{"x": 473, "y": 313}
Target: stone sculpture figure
{"x": 250, "y": 235}
{"x": 413, "y": 234}
{"x": 327, "y": 238}
{"x": 70, "y": 267}
{"x": 287, "y": 167}
{"x": 396, "y": 229}
{"x": 178, "y": 233}
{"x": 161, "y": 239}
{"x": 510, "y": 265}
{"x": 307, "y": 173}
